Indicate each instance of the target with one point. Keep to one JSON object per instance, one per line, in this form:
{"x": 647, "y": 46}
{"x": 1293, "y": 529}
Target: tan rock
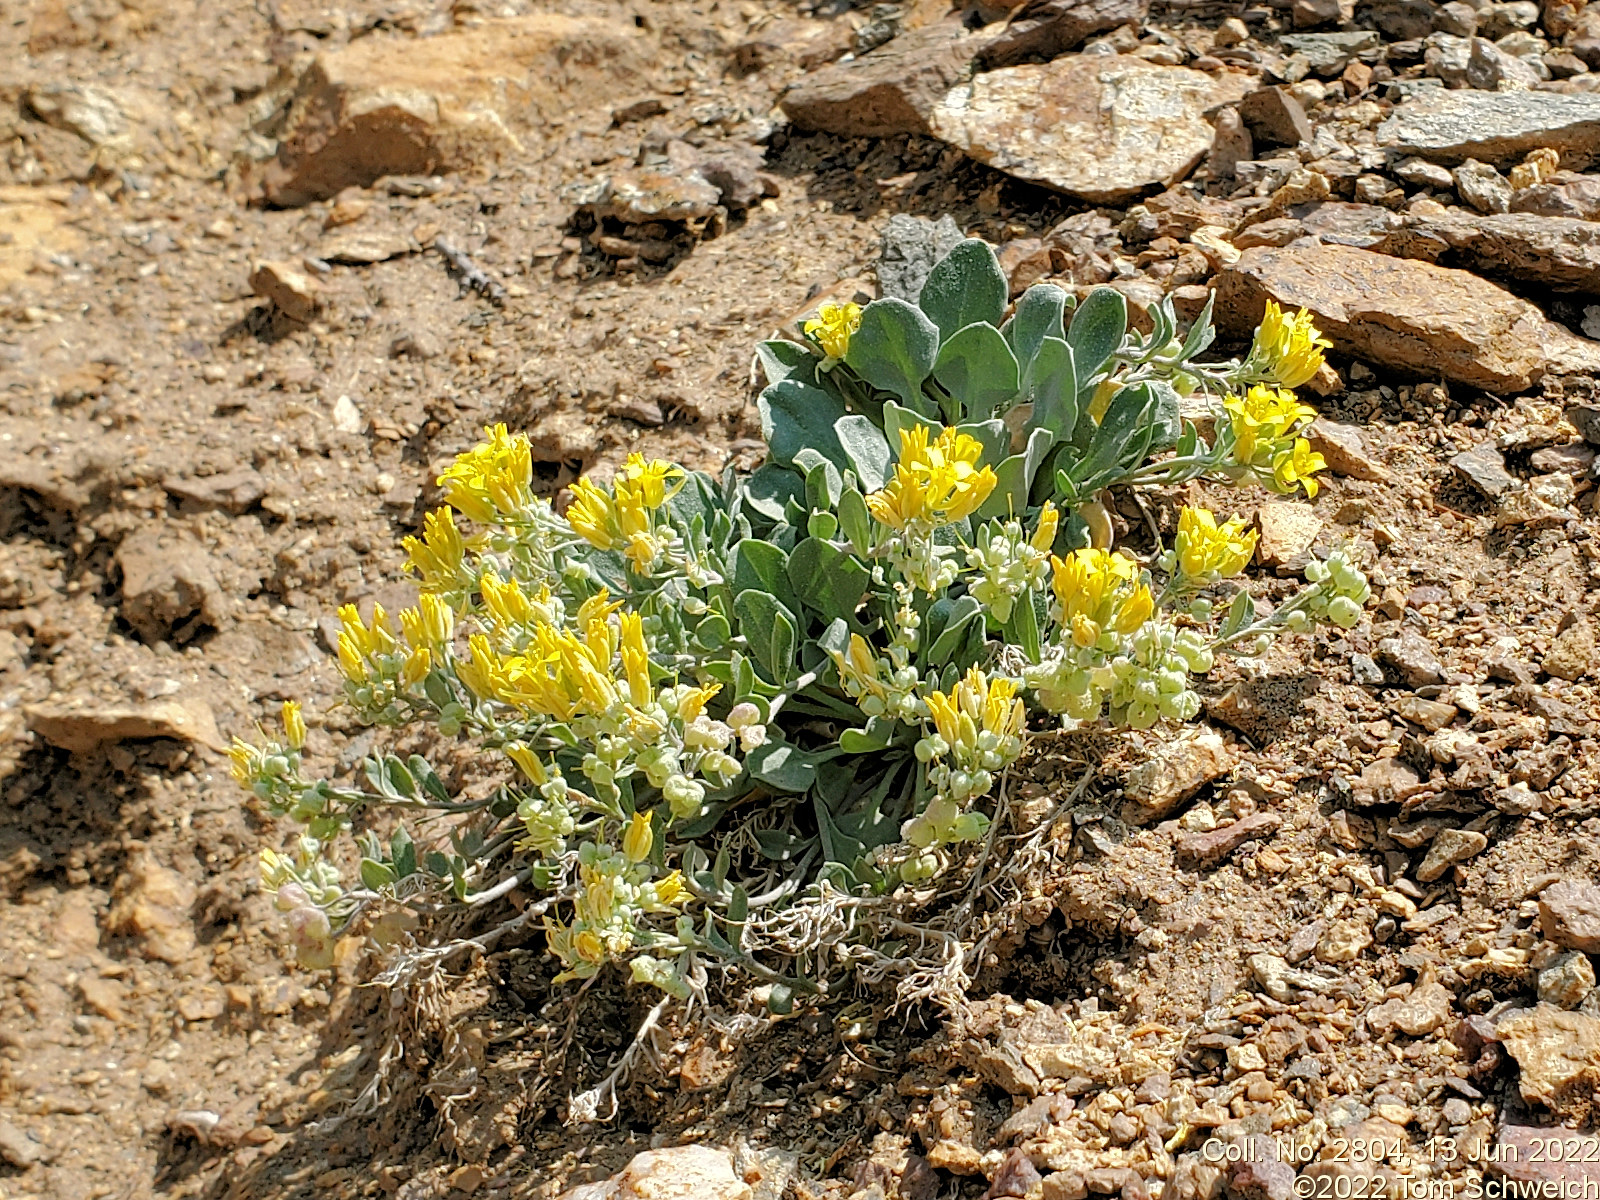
{"x": 169, "y": 582}
{"x": 152, "y": 903}
{"x": 1287, "y": 529}
{"x": 890, "y": 91}
{"x": 1559, "y": 1053}
{"x": 1567, "y": 982}
{"x": 417, "y": 106}
{"x": 1411, "y": 316}
{"x": 958, "y": 1158}
{"x": 1343, "y": 941}
{"x": 807, "y": 44}
{"x": 81, "y": 724}
{"x": 1100, "y": 127}
{"x": 361, "y": 246}
{"x": 1571, "y": 655}
{"x": 76, "y": 927}
{"x": 1345, "y": 450}
{"x": 32, "y": 223}
{"x": 1556, "y": 252}
{"x": 293, "y": 291}
{"x": 104, "y": 996}
{"x": 1430, "y": 714}
{"x": 1426, "y": 1009}
{"x": 1569, "y": 915}
{"x": 1452, "y": 846}
{"x": 1177, "y": 770}
{"x": 681, "y": 1173}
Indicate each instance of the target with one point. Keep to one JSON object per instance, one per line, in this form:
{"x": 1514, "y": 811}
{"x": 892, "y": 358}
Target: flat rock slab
{"x": 889, "y": 91}
{"x": 1103, "y": 128}
{"x": 418, "y": 106}
{"x": 80, "y": 726}
{"x": 1411, "y": 316}
{"x": 1558, "y": 252}
{"x": 1559, "y": 1053}
{"x": 1496, "y": 127}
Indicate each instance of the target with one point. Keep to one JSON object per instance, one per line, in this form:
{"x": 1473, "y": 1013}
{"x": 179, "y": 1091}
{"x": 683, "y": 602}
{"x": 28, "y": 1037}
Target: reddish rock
{"x": 1049, "y": 28}
{"x": 1206, "y": 849}
{"x": 1523, "y": 1156}
{"x": 1101, "y": 127}
{"x": 889, "y": 91}
{"x": 417, "y": 106}
{"x": 1275, "y": 117}
{"x": 1411, "y": 316}
{"x": 1569, "y": 915}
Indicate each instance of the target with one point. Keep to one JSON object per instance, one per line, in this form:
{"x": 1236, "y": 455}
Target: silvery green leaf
{"x": 965, "y": 286}
{"x": 798, "y": 416}
{"x": 1097, "y": 330}
{"x": 894, "y": 350}
{"x": 977, "y": 368}
{"x": 866, "y": 448}
{"x": 1040, "y": 314}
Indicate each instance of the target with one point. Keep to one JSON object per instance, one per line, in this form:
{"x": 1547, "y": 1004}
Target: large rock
{"x": 1496, "y": 127}
{"x": 153, "y": 903}
{"x": 889, "y": 91}
{"x": 1101, "y": 127}
{"x": 1411, "y": 316}
{"x": 33, "y": 223}
{"x": 1559, "y": 1053}
{"x": 1569, "y": 915}
{"x": 169, "y": 587}
{"x": 672, "y": 1173}
{"x": 79, "y": 724}
{"x": 1557, "y": 252}
{"x": 1049, "y": 28}
{"x": 413, "y": 106}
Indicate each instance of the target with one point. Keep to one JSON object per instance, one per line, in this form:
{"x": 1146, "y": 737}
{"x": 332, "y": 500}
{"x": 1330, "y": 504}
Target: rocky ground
{"x": 263, "y": 268}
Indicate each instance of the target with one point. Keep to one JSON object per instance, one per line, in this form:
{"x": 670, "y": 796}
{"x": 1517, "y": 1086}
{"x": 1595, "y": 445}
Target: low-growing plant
{"x": 708, "y": 700}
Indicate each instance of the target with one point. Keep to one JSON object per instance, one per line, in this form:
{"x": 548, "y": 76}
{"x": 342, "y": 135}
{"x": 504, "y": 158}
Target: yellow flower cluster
{"x": 438, "y": 556}
{"x": 877, "y": 686}
{"x": 623, "y": 518}
{"x": 366, "y": 652}
{"x": 935, "y": 483}
{"x": 833, "y": 327}
{"x": 1206, "y": 550}
{"x": 562, "y": 675}
{"x": 1097, "y": 591}
{"x": 978, "y": 726}
{"x": 614, "y": 889}
{"x": 1263, "y": 422}
{"x": 1287, "y": 350}
{"x": 494, "y": 480}
{"x": 976, "y": 706}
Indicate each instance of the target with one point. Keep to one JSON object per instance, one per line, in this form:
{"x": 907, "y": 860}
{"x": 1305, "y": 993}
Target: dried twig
{"x": 471, "y": 274}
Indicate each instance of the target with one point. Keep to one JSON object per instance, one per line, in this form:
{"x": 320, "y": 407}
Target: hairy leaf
{"x": 965, "y": 286}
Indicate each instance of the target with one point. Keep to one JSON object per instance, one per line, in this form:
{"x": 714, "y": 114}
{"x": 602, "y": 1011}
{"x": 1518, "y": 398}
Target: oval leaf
{"x": 796, "y": 416}
{"x": 893, "y": 350}
{"x": 866, "y": 448}
{"x": 1098, "y": 328}
{"x": 965, "y": 286}
{"x": 977, "y": 367}
{"x": 1040, "y": 314}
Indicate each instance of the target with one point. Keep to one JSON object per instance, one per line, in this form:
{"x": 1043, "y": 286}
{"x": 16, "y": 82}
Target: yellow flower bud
{"x": 640, "y": 839}
{"x": 294, "y": 725}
